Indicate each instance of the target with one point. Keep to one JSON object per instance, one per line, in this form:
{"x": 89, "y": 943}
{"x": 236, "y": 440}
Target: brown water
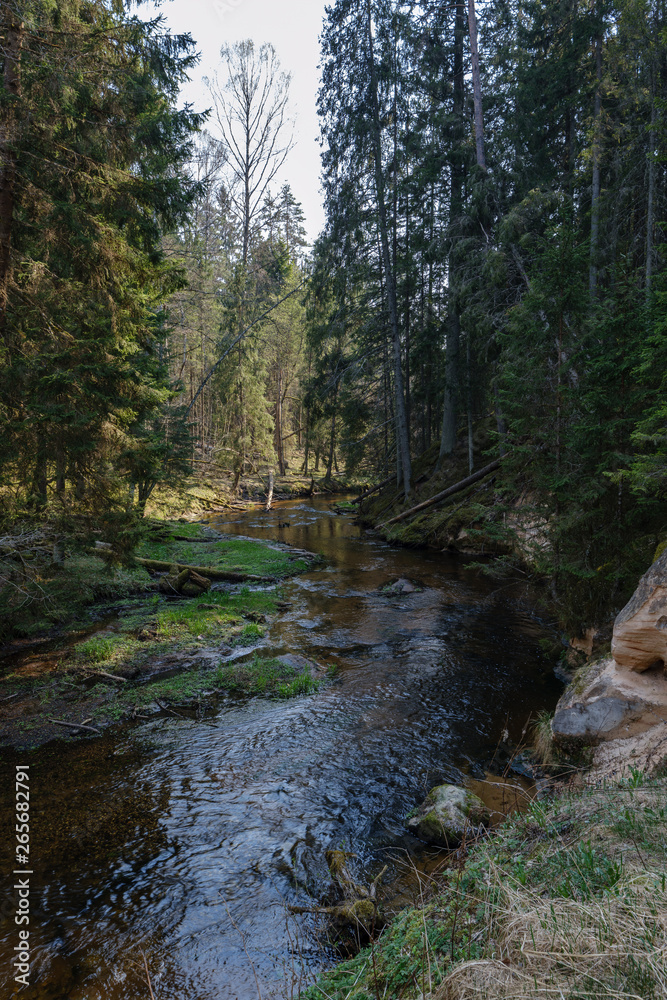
{"x": 187, "y": 839}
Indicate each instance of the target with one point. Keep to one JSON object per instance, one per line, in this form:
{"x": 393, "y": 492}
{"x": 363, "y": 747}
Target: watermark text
{"x": 22, "y": 873}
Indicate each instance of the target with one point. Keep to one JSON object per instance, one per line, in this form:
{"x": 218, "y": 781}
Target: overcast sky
{"x": 293, "y": 28}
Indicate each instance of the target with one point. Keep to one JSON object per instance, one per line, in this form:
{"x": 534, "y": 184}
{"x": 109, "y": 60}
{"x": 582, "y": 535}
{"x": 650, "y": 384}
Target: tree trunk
{"x": 307, "y": 444}
{"x": 476, "y": 86}
{"x": 13, "y": 41}
{"x": 39, "y": 478}
{"x": 650, "y": 207}
{"x": 450, "y": 491}
{"x": 595, "y": 188}
{"x": 60, "y": 470}
{"x": 332, "y": 442}
{"x": 471, "y": 445}
{"x": 402, "y": 434}
{"x": 450, "y": 412}
{"x": 450, "y": 408}
{"x": 279, "y": 425}
{"x": 269, "y": 498}
{"x": 501, "y": 424}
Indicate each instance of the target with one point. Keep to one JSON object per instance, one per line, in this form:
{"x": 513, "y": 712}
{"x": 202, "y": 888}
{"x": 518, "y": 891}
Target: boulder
{"x": 608, "y": 702}
{"x": 640, "y": 630}
{"x": 626, "y": 695}
{"x": 401, "y": 586}
{"x": 448, "y": 814}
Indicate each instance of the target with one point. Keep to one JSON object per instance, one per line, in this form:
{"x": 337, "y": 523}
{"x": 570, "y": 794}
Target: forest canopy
{"x": 490, "y": 280}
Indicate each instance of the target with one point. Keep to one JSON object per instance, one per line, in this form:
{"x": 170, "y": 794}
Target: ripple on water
{"x": 189, "y": 839}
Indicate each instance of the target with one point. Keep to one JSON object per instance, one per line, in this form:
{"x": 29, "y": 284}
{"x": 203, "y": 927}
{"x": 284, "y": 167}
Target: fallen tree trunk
{"x": 206, "y": 571}
{"x": 368, "y": 493}
{"x": 456, "y": 488}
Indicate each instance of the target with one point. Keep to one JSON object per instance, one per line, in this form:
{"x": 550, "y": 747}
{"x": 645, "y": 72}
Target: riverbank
{"x": 152, "y": 649}
{"x": 212, "y": 490}
{"x": 565, "y": 899}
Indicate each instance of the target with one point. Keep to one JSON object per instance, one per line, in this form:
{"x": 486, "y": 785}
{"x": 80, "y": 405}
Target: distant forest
{"x": 490, "y": 281}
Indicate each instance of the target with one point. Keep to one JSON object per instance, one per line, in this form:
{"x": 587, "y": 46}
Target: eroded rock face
{"x": 621, "y": 698}
{"x": 640, "y": 631}
{"x": 611, "y": 702}
{"x": 447, "y": 814}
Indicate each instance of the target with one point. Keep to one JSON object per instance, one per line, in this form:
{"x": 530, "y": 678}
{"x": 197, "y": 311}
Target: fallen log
{"x": 75, "y": 725}
{"x": 368, "y": 493}
{"x": 103, "y": 673}
{"x": 206, "y": 571}
{"x": 358, "y": 909}
{"x": 456, "y": 488}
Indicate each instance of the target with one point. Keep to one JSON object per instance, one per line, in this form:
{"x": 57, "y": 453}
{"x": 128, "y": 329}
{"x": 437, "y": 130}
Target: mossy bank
{"x": 151, "y": 649}
{"x": 566, "y": 899}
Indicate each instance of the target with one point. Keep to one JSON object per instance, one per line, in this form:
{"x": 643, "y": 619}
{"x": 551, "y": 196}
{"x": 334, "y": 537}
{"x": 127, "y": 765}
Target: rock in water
{"x": 448, "y": 814}
{"x": 401, "y": 586}
{"x": 640, "y": 631}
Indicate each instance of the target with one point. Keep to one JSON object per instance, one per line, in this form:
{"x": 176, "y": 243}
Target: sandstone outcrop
{"x": 625, "y": 696}
{"x": 609, "y": 702}
{"x": 447, "y": 815}
{"x": 640, "y": 631}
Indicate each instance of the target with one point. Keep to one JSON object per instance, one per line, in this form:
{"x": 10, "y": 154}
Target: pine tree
{"x": 85, "y": 273}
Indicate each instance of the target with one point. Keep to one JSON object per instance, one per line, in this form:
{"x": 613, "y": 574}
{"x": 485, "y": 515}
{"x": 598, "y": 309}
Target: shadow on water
{"x": 188, "y": 839}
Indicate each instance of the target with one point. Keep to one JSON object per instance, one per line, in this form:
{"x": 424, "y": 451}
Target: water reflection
{"x": 189, "y": 840}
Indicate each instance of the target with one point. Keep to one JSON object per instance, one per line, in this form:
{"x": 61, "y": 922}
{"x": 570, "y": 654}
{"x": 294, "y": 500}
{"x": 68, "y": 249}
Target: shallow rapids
{"x": 187, "y": 840}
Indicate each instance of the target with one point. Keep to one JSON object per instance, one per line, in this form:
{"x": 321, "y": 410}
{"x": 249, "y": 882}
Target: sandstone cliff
{"x": 624, "y": 697}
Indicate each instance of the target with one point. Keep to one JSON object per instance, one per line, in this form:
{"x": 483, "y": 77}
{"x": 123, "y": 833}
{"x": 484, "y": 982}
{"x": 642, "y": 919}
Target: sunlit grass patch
{"x": 97, "y": 649}
{"x": 262, "y": 676}
{"x": 214, "y": 613}
{"x": 169, "y": 543}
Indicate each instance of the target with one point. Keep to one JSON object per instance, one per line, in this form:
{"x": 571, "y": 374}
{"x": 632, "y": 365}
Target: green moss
{"x": 265, "y": 677}
{"x": 662, "y": 547}
{"x": 191, "y": 545}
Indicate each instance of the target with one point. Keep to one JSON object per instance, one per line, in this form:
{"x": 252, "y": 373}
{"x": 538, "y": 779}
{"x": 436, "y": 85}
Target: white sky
{"x": 293, "y": 28}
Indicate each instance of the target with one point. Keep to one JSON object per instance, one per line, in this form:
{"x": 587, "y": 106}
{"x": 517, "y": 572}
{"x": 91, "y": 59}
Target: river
{"x": 184, "y": 841}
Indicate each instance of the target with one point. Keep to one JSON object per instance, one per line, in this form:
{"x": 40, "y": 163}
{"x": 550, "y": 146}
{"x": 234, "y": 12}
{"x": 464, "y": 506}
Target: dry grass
{"x": 615, "y": 947}
{"x": 565, "y": 901}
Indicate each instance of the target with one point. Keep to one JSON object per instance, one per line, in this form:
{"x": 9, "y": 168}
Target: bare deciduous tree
{"x": 255, "y": 127}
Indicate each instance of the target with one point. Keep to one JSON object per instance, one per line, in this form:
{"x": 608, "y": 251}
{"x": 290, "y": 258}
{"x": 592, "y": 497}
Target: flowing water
{"x": 185, "y": 841}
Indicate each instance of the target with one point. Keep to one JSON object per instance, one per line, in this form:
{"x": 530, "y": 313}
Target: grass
{"x": 261, "y": 676}
{"x": 216, "y": 616}
{"x": 565, "y": 900}
{"x": 156, "y": 629}
{"x": 236, "y": 555}
{"x": 60, "y": 595}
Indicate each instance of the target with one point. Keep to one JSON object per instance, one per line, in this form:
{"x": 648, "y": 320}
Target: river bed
{"x": 185, "y": 840}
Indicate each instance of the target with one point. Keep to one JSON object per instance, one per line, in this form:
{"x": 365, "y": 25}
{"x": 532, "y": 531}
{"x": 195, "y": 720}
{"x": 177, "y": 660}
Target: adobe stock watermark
{"x": 22, "y": 872}
{"x": 224, "y": 7}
